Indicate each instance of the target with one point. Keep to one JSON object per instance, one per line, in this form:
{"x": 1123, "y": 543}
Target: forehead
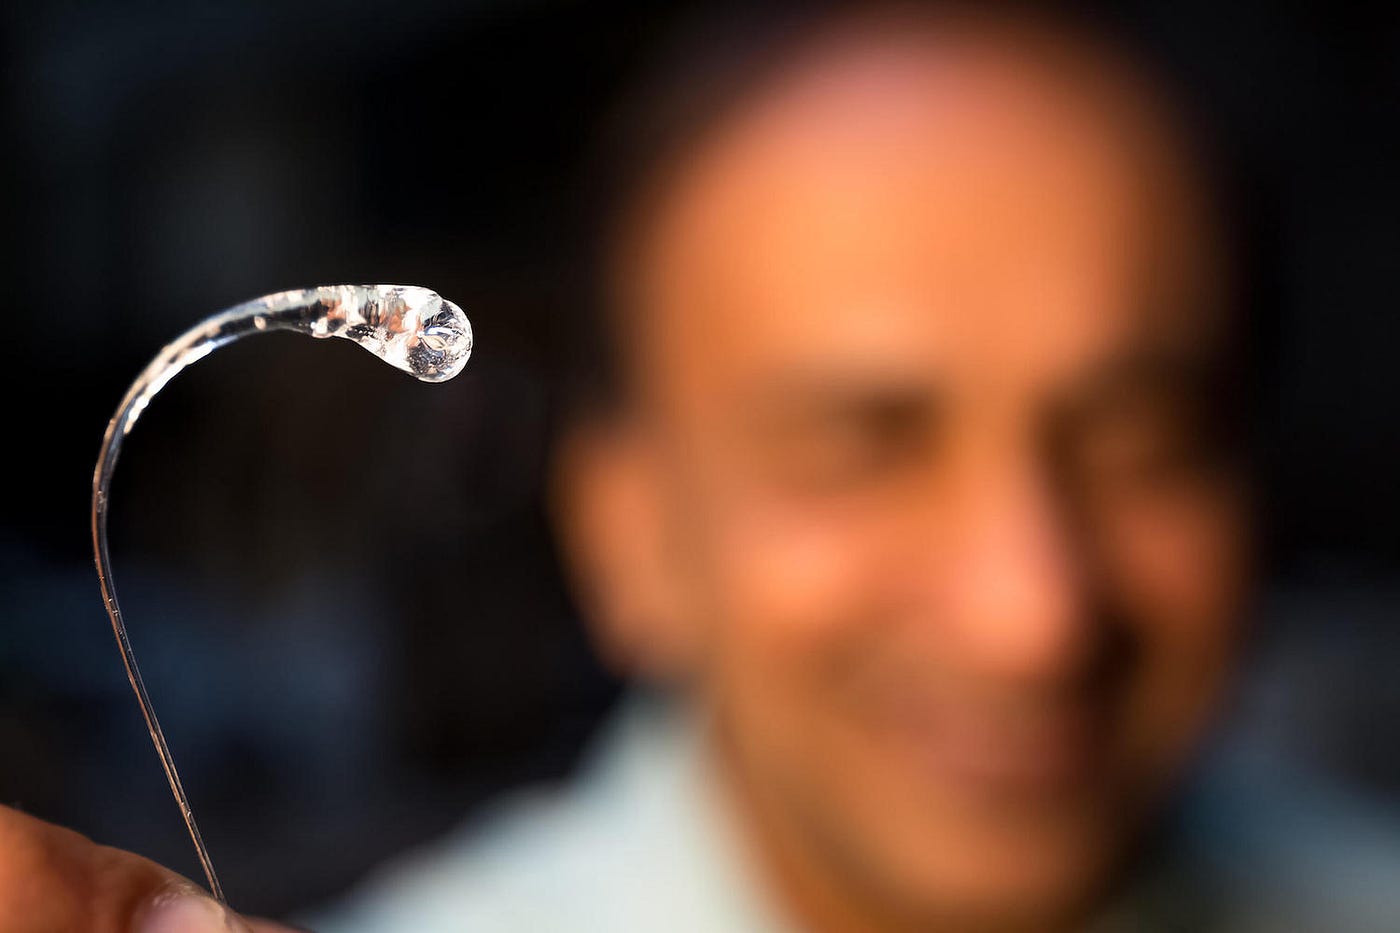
{"x": 1000, "y": 200}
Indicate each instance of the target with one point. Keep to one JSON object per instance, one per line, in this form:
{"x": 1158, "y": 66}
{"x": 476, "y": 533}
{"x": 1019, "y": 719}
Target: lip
{"x": 998, "y": 754}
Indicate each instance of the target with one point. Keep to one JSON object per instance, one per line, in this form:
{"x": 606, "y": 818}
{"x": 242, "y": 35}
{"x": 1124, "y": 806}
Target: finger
{"x": 53, "y": 879}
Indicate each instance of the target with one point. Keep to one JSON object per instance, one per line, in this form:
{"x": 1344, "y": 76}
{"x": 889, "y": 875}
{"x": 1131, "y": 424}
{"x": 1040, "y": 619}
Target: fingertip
{"x": 182, "y": 910}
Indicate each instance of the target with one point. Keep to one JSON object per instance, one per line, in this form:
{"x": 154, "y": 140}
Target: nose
{"x": 1008, "y": 590}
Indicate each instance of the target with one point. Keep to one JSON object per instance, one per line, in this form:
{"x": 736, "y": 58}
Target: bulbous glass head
{"x": 410, "y": 328}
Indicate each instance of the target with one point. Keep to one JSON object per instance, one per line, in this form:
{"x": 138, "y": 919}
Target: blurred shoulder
{"x": 1287, "y": 849}
{"x": 631, "y": 844}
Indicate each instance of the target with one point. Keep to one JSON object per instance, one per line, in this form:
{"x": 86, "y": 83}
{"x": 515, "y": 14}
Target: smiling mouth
{"x": 1000, "y": 752}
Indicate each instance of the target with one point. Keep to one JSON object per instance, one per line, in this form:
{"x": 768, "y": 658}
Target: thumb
{"x": 53, "y": 879}
{"x": 186, "y": 911}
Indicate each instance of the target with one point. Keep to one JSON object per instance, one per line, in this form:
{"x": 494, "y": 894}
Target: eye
{"x": 1143, "y": 444}
{"x": 851, "y": 445}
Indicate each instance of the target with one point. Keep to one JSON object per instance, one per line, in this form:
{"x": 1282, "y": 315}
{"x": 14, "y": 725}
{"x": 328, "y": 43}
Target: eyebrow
{"x": 1136, "y": 375}
{"x": 1148, "y": 370}
{"x": 802, "y": 393}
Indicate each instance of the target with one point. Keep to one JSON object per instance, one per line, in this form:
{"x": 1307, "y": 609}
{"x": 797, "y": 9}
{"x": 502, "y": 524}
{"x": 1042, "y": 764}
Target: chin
{"x": 1032, "y": 871}
{"x": 1009, "y": 890}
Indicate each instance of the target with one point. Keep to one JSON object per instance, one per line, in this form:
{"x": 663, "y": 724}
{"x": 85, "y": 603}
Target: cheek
{"x": 795, "y": 580}
{"x": 794, "y": 588}
{"x": 1177, "y": 570}
{"x": 1181, "y": 563}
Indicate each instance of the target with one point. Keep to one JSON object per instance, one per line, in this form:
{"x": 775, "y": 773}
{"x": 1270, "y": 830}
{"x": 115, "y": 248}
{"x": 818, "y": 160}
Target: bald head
{"x": 1026, "y": 130}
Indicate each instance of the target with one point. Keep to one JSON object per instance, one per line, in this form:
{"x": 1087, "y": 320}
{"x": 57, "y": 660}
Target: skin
{"x": 910, "y": 493}
{"x": 911, "y": 490}
{"x": 54, "y": 879}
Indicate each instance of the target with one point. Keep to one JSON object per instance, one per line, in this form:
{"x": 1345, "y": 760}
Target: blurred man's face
{"x": 915, "y": 492}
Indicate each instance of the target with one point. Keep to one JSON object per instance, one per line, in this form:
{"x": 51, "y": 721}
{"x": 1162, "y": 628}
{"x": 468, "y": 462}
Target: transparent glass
{"x": 408, "y": 327}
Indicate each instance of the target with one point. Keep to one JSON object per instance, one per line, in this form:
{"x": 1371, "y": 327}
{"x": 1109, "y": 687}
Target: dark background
{"x": 340, "y": 582}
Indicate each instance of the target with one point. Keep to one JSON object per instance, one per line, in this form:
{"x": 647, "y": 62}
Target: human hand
{"x": 53, "y": 880}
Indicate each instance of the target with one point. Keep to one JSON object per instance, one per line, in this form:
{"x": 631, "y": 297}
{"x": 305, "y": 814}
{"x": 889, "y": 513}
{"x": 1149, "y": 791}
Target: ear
{"x": 618, "y": 545}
